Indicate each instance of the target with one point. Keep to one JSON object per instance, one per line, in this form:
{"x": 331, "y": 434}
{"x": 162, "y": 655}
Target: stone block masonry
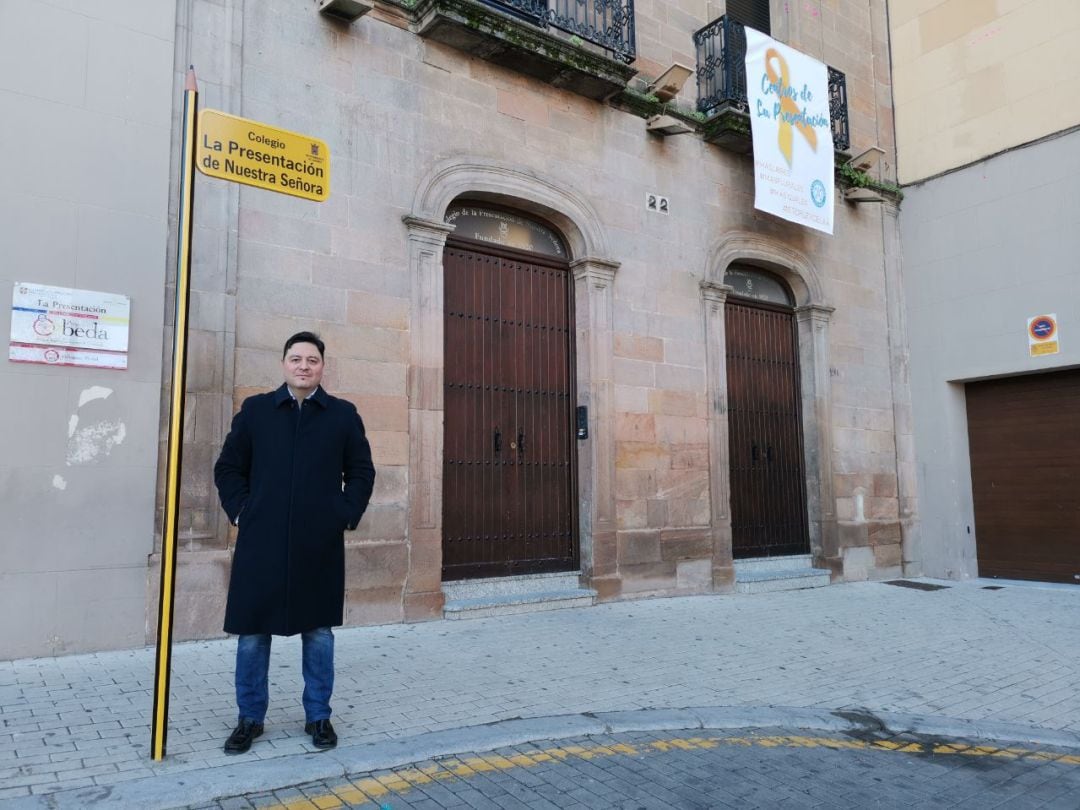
{"x": 413, "y": 125}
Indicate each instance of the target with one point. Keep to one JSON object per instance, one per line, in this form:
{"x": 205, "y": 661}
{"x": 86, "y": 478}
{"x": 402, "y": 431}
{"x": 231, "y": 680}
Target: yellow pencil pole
{"x": 170, "y": 524}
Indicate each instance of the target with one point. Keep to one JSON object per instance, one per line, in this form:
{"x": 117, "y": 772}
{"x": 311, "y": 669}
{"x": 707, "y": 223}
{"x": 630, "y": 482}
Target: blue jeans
{"x": 253, "y": 669}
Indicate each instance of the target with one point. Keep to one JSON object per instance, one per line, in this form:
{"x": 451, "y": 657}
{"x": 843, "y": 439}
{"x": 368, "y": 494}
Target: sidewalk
{"x": 1001, "y": 664}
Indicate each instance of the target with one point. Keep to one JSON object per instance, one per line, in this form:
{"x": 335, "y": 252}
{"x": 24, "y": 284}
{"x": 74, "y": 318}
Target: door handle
{"x": 753, "y": 452}
{"x": 498, "y": 440}
{"x": 521, "y": 442}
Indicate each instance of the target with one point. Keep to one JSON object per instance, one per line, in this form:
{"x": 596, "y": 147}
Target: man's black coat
{"x": 280, "y": 473}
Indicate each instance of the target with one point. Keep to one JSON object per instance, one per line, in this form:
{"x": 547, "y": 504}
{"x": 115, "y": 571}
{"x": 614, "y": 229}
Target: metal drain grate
{"x": 917, "y": 586}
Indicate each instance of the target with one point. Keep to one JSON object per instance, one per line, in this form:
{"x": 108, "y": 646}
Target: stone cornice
{"x": 746, "y": 246}
{"x": 591, "y": 267}
{"x": 814, "y": 312}
{"x": 428, "y": 227}
{"x": 517, "y": 186}
{"x": 715, "y": 291}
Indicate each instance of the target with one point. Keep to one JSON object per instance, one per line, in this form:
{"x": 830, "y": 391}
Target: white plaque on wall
{"x": 58, "y": 326}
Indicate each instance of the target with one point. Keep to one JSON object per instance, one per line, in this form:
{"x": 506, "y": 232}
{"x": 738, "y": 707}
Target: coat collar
{"x": 282, "y": 395}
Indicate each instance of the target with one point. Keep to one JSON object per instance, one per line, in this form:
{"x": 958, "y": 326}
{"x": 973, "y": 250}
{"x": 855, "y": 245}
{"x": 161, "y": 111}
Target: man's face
{"x": 303, "y": 367}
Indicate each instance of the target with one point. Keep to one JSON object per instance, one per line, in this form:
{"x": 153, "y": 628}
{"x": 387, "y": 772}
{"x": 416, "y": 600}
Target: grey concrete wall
{"x": 984, "y": 249}
{"x": 87, "y": 94}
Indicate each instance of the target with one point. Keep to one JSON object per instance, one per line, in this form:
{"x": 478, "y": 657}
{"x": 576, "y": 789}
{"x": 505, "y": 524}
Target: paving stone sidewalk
{"x": 966, "y": 653}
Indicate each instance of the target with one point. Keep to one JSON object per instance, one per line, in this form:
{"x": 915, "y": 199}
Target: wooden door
{"x": 768, "y": 483}
{"x": 1024, "y": 439}
{"x": 509, "y": 488}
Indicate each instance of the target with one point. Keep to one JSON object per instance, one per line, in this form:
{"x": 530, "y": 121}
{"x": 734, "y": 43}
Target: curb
{"x": 200, "y": 786}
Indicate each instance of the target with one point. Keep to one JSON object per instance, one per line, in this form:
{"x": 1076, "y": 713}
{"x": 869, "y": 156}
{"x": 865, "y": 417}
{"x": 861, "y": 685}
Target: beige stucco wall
{"x": 86, "y": 91}
{"x": 974, "y": 77}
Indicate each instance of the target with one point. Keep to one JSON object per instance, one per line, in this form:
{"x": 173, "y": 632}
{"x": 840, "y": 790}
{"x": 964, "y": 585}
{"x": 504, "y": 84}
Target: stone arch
{"x": 593, "y": 273}
{"x": 514, "y": 187}
{"x": 794, "y": 267}
{"x": 812, "y": 314}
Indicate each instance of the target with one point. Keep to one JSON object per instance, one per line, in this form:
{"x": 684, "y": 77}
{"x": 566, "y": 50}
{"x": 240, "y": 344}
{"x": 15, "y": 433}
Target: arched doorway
{"x": 509, "y": 458}
{"x": 764, "y": 404}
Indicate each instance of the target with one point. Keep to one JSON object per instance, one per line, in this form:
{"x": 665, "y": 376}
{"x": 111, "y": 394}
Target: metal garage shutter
{"x": 1024, "y": 435}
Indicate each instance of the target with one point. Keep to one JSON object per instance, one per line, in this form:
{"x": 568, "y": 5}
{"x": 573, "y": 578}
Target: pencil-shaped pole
{"x": 170, "y": 524}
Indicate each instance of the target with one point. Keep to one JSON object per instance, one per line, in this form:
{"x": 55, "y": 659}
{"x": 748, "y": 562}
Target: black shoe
{"x": 322, "y": 734}
{"x": 240, "y": 740}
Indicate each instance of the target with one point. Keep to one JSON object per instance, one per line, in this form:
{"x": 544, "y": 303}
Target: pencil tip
{"x": 190, "y": 82}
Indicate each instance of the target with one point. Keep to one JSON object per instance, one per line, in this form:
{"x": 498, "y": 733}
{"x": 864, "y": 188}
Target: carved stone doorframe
{"x": 594, "y": 273}
{"x": 423, "y": 597}
{"x": 812, "y": 315}
{"x": 813, "y": 322}
{"x": 594, "y": 301}
{"x": 714, "y": 297}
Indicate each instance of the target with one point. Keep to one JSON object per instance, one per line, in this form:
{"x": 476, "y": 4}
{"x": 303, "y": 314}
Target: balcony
{"x": 721, "y": 78}
{"x": 582, "y": 45}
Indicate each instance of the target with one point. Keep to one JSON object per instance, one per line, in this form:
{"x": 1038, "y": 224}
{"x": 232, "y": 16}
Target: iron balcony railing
{"x": 721, "y": 76}
{"x": 607, "y": 23}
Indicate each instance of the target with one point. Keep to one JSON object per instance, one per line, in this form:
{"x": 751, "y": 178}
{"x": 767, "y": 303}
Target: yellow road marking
{"x": 393, "y": 782}
{"x": 351, "y": 796}
{"x": 502, "y": 763}
{"x": 479, "y": 765}
{"x": 372, "y": 789}
{"x": 415, "y": 776}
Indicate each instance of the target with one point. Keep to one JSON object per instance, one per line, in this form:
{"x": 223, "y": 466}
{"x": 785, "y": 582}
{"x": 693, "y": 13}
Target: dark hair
{"x": 304, "y": 337}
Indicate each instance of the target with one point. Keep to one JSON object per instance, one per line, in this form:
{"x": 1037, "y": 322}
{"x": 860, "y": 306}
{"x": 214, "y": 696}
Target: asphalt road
{"x": 746, "y": 769}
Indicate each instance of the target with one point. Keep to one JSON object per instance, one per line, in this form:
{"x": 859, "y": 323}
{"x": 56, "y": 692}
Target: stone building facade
{"x": 426, "y": 106}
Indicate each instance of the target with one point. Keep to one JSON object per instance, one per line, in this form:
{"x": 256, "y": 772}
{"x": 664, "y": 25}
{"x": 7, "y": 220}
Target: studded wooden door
{"x": 768, "y": 484}
{"x": 509, "y": 488}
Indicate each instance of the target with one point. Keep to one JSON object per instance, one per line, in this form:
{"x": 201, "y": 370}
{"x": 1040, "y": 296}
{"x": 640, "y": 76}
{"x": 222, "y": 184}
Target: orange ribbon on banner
{"x": 787, "y": 105}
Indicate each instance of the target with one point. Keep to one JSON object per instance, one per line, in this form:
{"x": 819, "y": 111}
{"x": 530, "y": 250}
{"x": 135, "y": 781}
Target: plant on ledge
{"x": 851, "y": 177}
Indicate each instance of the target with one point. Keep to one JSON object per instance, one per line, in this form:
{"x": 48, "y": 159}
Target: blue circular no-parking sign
{"x": 1042, "y": 327}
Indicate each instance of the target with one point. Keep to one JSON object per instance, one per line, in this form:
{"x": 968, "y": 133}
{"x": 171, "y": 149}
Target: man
{"x": 295, "y": 472}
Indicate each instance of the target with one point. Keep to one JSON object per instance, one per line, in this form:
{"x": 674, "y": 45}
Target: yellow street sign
{"x": 248, "y": 152}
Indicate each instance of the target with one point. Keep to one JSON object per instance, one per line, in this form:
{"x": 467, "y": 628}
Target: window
{"x": 486, "y": 224}
{"x": 754, "y": 13}
{"x": 749, "y": 282}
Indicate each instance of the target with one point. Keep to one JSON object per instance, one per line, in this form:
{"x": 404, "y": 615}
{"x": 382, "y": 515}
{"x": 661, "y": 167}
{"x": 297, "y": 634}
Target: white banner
{"x": 61, "y": 326}
{"x": 788, "y": 93}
